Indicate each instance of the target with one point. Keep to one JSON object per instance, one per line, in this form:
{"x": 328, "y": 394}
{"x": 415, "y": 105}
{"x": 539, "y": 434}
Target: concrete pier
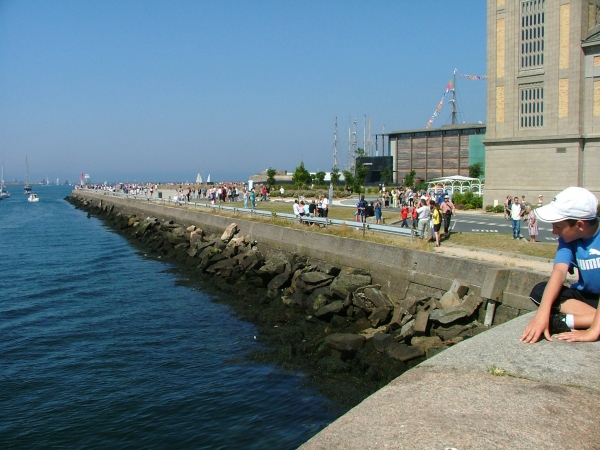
{"x": 488, "y": 392}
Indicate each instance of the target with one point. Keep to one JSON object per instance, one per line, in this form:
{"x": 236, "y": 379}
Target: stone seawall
{"x": 333, "y": 315}
{"x": 402, "y": 273}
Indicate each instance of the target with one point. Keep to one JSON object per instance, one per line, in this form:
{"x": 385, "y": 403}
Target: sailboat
{"x": 27, "y": 188}
{"x": 198, "y": 179}
{"x": 208, "y": 179}
{"x": 3, "y": 192}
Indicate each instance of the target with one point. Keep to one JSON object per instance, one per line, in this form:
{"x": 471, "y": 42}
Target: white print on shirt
{"x": 588, "y": 264}
{"x": 593, "y": 251}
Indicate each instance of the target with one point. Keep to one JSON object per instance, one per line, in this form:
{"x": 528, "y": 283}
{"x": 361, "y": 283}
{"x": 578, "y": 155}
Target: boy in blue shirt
{"x": 572, "y": 312}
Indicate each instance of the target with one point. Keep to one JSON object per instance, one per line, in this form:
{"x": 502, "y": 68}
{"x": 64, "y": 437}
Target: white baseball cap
{"x": 572, "y": 203}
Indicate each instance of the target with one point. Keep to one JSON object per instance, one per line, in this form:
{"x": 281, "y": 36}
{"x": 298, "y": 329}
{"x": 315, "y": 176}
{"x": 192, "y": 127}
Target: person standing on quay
{"x": 532, "y": 224}
{"x": 324, "y": 206}
{"x": 515, "y": 215}
{"x": 404, "y": 216}
{"x": 423, "y": 214}
{"x": 448, "y": 209}
{"x": 378, "y": 212}
{"x": 436, "y": 216}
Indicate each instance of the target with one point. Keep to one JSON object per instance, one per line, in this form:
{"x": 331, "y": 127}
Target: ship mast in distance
{"x": 335, "y": 163}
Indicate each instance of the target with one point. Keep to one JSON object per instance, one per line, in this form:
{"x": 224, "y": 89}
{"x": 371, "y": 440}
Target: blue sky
{"x": 161, "y": 90}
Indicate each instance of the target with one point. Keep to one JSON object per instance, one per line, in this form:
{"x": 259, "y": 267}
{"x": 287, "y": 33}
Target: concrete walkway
{"x": 488, "y": 392}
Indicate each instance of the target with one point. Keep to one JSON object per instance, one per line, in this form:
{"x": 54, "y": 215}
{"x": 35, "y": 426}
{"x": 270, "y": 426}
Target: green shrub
{"x": 469, "y": 206}
{"x": 467, "y": 198}
{"x": 489, "y": 208}
{"x": 499, "y": 209}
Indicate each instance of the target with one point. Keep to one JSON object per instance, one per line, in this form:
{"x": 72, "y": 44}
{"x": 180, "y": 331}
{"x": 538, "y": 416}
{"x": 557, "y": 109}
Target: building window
{"x": 531, "y": 105}
{"x": 532, "y": 33}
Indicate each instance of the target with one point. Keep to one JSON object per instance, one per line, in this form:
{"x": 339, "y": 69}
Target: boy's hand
{"x": 535, "y": 329}
{"x": 578, "y": 336}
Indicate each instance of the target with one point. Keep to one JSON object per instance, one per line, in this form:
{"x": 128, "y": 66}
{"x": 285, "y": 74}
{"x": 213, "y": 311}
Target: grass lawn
{"x": 504, "y": 243}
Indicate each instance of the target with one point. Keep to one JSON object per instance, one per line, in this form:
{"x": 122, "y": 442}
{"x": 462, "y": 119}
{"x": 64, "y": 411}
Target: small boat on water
{"x": 33, "y": 198}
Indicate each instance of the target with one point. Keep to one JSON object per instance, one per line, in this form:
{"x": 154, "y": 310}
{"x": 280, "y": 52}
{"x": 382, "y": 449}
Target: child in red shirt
{"x": 415, "y": 216}
{"x": 404, "y": 216}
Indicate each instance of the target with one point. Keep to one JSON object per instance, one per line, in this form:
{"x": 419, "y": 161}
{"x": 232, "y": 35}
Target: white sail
{"x": 199, "y": 179}
{"x": 208, "y": 178}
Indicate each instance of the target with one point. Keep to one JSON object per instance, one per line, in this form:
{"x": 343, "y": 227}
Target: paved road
{"x": 479, "y": 222}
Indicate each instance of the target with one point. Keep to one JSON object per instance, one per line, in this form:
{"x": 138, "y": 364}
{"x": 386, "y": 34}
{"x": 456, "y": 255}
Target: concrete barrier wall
{"x": 402, "y": 273}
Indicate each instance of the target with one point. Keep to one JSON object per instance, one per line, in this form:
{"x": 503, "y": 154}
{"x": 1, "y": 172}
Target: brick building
{"x": 543, "y": 98}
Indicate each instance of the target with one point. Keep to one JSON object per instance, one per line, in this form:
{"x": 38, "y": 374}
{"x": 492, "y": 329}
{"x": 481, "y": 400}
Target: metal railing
{"x": 321, "y": 221}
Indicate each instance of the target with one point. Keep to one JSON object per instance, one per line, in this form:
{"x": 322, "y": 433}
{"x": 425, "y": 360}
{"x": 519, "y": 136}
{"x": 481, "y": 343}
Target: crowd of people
{"x": 397, "y": 196}
{"x": 428, "y": 211}
{"x": 317, "y": 207}
{"x": 429, "y": 217}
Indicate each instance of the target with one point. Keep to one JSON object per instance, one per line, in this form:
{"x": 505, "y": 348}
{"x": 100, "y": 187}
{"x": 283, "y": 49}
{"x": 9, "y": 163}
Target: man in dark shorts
{"x": 572, "y": 312}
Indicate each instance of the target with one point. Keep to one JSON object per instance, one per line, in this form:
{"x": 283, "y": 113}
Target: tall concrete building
{"x": 543, "y": 106}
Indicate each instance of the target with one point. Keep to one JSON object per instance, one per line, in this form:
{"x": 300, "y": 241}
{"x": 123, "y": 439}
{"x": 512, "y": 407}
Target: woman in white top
{"x": 324, "y": 206}
{"x": 423, "y": 215}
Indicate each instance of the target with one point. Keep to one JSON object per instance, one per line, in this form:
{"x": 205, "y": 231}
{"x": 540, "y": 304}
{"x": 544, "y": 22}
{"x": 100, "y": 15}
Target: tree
{"x": 320, "y": 178}
{"x": 476, "y": 170}
{"x": 335, "y": 175}
{"x": 409, "y": 178}
{"x": 386, "y": 176}
{"x": 360, "y": 152}
{"x": 359, "y": 178}
{"x": 301, "y": 175}
{"x": 271, "y": 176}
{"x": 349, "y": 179}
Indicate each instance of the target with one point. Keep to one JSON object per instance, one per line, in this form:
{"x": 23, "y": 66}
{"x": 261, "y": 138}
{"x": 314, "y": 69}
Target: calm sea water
{"x": 101, "y": 348}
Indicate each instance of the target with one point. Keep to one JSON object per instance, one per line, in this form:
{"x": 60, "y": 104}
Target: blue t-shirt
{"x": 585, "y": 255}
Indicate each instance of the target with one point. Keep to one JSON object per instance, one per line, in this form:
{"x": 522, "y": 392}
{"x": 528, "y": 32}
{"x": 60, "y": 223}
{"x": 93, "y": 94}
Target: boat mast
{"x": 27, "y": 187}
{"x": 335, "y": 162}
